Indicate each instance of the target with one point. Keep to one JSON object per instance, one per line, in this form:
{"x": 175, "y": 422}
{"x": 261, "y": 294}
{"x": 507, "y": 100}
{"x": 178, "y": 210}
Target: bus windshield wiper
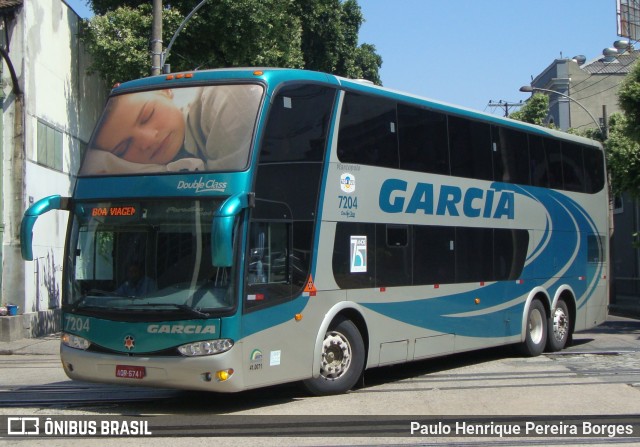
{"x": 92, "y": 292}
{"x": 190, "y": 310}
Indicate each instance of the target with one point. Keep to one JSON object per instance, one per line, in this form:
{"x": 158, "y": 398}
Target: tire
{"x": 342, "y": 360}
{"x": 535, "y": 330}
{"x": 559, "y": 327}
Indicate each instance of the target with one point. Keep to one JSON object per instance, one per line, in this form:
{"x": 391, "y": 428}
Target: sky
{"x": 473, "y": 52}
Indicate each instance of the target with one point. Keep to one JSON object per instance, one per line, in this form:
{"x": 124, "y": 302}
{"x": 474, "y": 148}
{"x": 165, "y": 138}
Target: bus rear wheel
{"x": 559, "y": 327}
{"x": 535, "y": 330}
{"x": 342, "y": 360}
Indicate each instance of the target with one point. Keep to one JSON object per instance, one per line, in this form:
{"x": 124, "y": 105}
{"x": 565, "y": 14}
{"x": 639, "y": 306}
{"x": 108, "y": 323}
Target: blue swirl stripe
{"x": 559, "y": 258}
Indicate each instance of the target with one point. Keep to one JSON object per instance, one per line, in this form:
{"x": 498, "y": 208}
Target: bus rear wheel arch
{"x": 342, "y": 359}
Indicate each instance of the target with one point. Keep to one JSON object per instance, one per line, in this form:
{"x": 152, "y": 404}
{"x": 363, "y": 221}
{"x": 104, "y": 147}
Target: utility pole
{"x": 156, "y": 38}
{"x": 166, "y": 68}
{"x": 506, "y": 105}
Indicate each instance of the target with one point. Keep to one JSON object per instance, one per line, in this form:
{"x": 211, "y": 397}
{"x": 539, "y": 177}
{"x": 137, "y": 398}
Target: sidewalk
{"x": 625, "y": 306}
{"x": 48, "y": 345}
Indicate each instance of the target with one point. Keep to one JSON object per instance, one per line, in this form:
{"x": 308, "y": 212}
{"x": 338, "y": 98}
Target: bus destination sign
{"x": 107, "y": 212}
{"x": 113, "y": 211}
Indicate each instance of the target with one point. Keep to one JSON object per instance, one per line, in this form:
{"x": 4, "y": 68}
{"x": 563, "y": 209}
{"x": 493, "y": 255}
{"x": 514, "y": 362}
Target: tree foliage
{"x": 623, "y": 156}
{"x": 312, "y": 34}
{"x": 623, "y": 143}
{"x": 534, "y": 111}
{"x": 629, "y": 100}
{"x": 119, "y": 42}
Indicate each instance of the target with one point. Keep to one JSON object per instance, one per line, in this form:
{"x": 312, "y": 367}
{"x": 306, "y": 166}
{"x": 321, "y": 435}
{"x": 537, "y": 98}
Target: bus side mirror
{"x": 222, "y": 228}
{"x": 29, "y": 220}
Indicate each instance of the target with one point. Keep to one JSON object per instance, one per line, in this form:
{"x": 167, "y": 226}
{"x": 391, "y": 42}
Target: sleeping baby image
{"x": 188, "y": 129}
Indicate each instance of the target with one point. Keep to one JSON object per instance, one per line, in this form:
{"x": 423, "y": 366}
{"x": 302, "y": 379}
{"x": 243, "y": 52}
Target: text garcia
{"x": 446, "y": 200}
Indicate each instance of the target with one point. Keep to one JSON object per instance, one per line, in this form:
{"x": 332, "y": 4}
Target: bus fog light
{"x": 207, "y": 347}
{"x": 224, "y": 374}
{"x": 73, "y": 341}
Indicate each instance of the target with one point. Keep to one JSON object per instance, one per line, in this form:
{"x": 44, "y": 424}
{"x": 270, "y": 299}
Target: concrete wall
{"x": 57, "y": 92}
{"x": 592, "y": 91}
{"x": 592, "y": 85}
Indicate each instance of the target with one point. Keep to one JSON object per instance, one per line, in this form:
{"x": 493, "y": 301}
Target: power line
{"x": 506, "y": 105}
{"x": 620, "y": 69}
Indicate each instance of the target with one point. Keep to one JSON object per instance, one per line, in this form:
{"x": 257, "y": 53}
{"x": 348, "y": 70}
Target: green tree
{"x": 330, "y": 39}
{"x": 623, "y": 144}
{"x": 119, "y": 42}
{"x": 534, "y": 111}
{"x": 623, "y": 156}
{"x": 313, "y": 34}
{"x": 629, "y": 100}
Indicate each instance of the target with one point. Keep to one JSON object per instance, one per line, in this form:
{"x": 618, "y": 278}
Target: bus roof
{"x": 276, "y": 76}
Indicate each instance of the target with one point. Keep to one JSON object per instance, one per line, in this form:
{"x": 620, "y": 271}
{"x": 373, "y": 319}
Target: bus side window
{"x": 572, "y": 167}
{"x": 268, "y": 253}
{"x": 268, "y": 265}
{"x": 422, "y": 136}
{"x": 368, "y": 131}
{"x": 292, "y": 153}
{"x": 94, "y": 267}
{"x": 554, "y": 163}
{"x": 593, "y": 169}
{"x": 538, "y": 162}
{"x": 510, "y": 156}
{"x": 595, "y": 248}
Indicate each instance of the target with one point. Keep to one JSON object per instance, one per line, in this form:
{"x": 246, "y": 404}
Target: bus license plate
{"x": 130, "y": 372}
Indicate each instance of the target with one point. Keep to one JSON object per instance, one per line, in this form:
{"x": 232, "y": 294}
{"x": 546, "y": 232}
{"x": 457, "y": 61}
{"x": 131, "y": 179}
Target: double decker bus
{"x": 239, "y": 228}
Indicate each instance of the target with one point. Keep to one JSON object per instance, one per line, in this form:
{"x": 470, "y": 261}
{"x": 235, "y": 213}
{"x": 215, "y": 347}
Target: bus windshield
{"x": 149, "y": 257}
{"x": 183, "y": 129}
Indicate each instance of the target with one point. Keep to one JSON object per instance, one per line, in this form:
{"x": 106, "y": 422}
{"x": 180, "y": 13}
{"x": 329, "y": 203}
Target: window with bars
{"x": 49, "y": 146}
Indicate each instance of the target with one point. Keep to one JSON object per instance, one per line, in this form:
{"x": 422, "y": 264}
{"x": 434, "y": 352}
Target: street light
{"x": 165, "y": 54}
{"x": 531, "y": 89}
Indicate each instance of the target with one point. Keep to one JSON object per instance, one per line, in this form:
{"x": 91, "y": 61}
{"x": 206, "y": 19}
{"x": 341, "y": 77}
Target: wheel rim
{"x": 336, "y": 356}
{"x": 536, "y": 326}
{"x": 560, "y": 324}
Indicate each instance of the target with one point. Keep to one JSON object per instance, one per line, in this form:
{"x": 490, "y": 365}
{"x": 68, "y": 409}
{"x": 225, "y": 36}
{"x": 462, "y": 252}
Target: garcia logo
{"x": 181, "y": 329}
{"x": 202, "y": 185}
{"x": 396, "y": 196}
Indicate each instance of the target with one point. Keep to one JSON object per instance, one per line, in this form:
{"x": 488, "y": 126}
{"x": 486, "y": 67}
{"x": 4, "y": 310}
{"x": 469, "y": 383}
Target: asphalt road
{"x": 596, "y": 380}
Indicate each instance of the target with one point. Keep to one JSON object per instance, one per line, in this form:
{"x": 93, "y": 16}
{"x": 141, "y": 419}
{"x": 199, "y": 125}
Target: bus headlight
{"x": 73, "y": 341}
{"x": 207, "y": 347}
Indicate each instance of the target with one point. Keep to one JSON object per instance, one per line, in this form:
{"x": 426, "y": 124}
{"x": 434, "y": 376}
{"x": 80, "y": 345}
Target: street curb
{"x": 625, "y": 311}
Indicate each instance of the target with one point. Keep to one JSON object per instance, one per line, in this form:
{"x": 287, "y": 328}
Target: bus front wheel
{"x": 342, "y": 360}
{"x": 535, "y": 330}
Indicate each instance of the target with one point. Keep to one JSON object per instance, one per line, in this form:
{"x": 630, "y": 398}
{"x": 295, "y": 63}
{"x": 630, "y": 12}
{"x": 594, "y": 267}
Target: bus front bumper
{"x": 219, "y": 373}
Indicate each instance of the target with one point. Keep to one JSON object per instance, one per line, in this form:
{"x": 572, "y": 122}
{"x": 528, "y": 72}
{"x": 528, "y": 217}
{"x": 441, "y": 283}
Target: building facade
{"x": 593, "y": 88}
{"x": 49, "y": 107}
{"x": 592, "y": 85}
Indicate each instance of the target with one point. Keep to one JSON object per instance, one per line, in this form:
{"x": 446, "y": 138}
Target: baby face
{"x": 143, "y": 127}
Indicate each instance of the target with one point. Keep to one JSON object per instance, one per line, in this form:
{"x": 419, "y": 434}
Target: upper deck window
{"x": 380, "y": 132}
{"x": 185, "y": 129}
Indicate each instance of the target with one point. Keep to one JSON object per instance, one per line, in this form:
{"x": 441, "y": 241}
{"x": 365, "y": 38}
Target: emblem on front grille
{"x": 129, "y": 342}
